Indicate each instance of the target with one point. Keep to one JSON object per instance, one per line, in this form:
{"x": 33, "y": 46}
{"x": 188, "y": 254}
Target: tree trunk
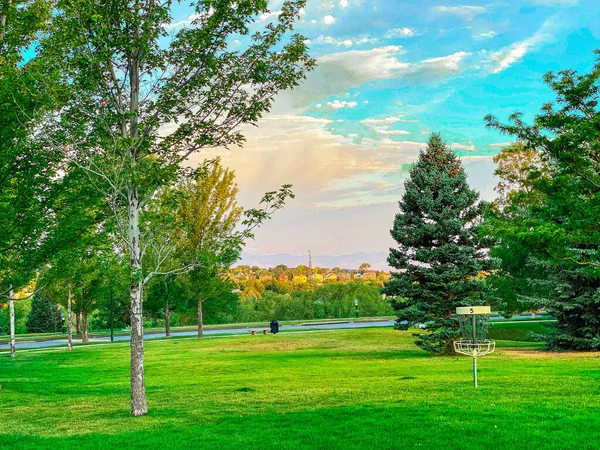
{"x": 3, "y": 22}
{"x": 138, "y": 388}
{"x": 167, "y": 323}
{"x": 84, "y": 326}
{"x": 77, "y": 323}
{"x": 200, "y": 320}
{"x": 69, "y": 321}
{"x": 11, "y": 302}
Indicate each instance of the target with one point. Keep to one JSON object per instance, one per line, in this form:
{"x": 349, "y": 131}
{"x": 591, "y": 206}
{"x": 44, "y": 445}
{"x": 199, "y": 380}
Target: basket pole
{"x": 475, "y": 371}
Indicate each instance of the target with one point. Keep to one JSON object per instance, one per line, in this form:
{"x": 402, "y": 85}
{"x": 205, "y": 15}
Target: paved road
{"x": 223, "y": 331}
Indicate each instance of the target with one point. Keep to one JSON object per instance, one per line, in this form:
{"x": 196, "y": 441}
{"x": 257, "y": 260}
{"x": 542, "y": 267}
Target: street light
{"x": 356, "y": 306}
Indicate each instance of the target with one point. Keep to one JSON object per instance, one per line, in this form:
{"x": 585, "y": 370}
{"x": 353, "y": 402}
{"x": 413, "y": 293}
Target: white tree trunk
{"x": 138, "y": 388}
{"x": 69, "y": 321}
{"x": 11, "y": 302}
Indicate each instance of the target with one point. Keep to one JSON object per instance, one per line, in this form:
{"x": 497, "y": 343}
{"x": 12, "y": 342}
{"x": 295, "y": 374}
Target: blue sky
{"x": 390, "y": 72}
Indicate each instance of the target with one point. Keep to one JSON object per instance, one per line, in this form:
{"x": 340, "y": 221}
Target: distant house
{"x": 283, "y": 277}
{"x": 265, "y": 276}
{"x": 317, "y": 277}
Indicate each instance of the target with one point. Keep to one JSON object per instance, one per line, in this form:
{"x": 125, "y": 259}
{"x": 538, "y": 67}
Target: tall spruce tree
{"x": 439, "y": 254}
{"x": 44, "y": 316}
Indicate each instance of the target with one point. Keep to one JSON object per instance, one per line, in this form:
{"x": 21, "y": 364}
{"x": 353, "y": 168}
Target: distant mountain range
{"x": 377, "y": 260}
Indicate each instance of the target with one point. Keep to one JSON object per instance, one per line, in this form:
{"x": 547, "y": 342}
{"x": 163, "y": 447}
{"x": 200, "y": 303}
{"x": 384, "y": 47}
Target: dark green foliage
{"x": 439, "y": 254}
{"x": 558, "y": 234}
{"x": 44, "y": 316}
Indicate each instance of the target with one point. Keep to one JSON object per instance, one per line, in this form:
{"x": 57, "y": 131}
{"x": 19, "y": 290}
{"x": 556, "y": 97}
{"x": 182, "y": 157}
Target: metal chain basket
{"x": 474, "y": 322}
{"x": 474, "y": 349}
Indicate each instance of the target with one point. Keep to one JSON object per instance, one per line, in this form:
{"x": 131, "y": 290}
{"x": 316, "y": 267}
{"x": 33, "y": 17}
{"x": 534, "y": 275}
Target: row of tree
{"x": 536, "y": 247}
{"x": 101, "y": 105}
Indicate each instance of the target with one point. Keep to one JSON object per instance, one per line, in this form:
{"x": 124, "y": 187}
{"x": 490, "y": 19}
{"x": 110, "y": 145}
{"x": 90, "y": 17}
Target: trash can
{"x": 274, "y": 327}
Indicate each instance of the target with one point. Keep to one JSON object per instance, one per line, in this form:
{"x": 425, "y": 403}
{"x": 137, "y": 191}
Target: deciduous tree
{"x": 128, "y": 79}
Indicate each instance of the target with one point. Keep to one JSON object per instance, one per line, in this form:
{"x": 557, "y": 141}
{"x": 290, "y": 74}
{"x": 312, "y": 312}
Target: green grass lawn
{"x": 359, "y": 389}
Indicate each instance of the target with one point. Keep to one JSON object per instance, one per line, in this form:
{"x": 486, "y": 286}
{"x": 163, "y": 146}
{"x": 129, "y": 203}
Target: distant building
{"x": 317, "y": 277}
{"x": 265, "y": 276}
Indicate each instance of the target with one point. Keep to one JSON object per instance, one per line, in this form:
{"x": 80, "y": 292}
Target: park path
{"x": 207, "y": 332}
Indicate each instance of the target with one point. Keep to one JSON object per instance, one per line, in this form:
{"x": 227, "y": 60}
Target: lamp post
{"x": 356, "y": 307}
{"x": 112, "y": 312}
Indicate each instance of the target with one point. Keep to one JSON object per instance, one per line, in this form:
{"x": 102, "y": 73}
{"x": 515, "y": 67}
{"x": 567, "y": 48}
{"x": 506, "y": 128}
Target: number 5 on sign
{"x": 471, "y": 310}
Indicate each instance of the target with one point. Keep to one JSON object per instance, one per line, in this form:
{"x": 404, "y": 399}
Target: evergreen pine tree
{"x": 44, "y": 316}
{"x": 439, "y": 254}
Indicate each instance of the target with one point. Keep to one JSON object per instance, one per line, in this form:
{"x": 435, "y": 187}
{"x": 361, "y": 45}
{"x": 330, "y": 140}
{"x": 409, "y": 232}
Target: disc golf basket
{"x": 474, "y": 322}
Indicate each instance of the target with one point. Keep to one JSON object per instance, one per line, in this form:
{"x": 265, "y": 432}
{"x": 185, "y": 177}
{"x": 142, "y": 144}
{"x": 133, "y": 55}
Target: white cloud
{"x": 506, "y": 57}
{"x": 364, "y": 65}
{"x": 343, "y": 4}
{"x": 466, "y": 12}
{"x": 268, "y": 15}
{"x": 501, "y": 144}
{"x": 345, "y": 42}
{"x": 333, "y": 41}
{"x": 366, "y": 40}
{"x": 485, "y": 35}
{"x": 182, "y": 23}
{"x": 443, "y": 65}
{"x": 336, "y": 73}
{"x": 399, "y": 33}
{"x": 459, "y": 146}
{"x": 384, "y": 126}
{"x": 328, "y": 20}
{"x": 336, "y": 104}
